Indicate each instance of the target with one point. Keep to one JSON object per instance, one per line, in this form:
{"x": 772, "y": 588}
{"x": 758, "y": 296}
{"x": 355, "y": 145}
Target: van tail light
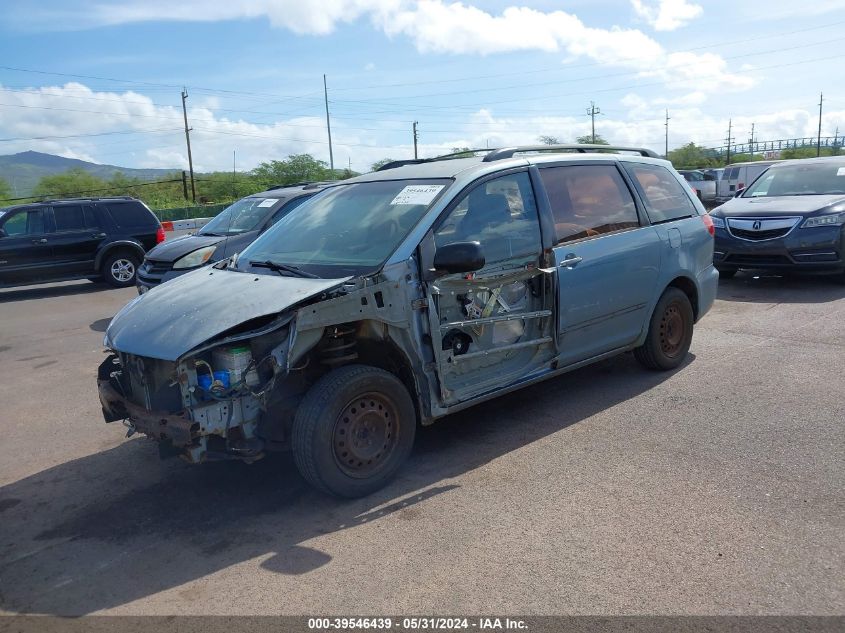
{"x": 708, "y": 222}
{"x": 159, "y": 235}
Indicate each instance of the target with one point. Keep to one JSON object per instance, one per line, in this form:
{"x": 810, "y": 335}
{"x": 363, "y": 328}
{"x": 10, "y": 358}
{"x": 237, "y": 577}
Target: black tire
{"x": 727, "y": 273}
{"x": 120, "y": 269}
{"x": 669, "y": 332}
{"x": 345, "y": 449}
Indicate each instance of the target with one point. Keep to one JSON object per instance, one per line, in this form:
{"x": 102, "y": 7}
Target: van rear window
{"x": 131, "y": 214}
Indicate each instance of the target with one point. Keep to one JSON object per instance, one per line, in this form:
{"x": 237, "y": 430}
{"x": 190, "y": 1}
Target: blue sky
{"x": 101, "y": 80}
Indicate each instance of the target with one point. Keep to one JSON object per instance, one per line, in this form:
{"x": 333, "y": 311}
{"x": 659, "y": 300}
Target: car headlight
{"x": 197, "y": 258}
{"x": 832, "y": 219}
{"x": 718, "y": 222}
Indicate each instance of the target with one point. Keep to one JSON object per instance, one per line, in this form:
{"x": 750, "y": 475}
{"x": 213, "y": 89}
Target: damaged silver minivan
{"x": 400, "y": 296}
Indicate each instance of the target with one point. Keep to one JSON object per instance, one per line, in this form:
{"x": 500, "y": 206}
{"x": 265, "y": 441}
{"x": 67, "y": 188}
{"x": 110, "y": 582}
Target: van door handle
{"x": 41, "y": 241}
{"x": 570, "y": 260}
{"x": 99, "y": 236}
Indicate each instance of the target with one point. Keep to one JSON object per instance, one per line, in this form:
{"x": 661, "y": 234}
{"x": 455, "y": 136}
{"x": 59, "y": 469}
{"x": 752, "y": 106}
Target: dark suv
{"x": 232, "y": 230}
{"x": 81, "y": 238}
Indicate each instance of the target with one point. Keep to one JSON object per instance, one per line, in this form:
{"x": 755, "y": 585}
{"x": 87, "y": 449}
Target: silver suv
{"x": 403, "y": 295}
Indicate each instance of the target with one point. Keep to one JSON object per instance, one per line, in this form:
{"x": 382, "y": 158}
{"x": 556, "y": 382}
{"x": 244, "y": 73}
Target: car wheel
{"x": 119, "y": 269}
{"x": 669, "y": 332}
{"x": 353, "y": 430}
{"x": 726, "y": 273}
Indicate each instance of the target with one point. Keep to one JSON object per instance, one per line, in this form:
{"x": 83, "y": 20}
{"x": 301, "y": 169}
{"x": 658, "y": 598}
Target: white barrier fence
{"x": 184, "y": 225}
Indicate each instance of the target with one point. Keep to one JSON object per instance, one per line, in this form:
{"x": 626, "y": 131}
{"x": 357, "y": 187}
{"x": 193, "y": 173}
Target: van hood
{"x": 171, "y": 250}
{"x": 776, "y": 205}
{"x": 174, "y": 318}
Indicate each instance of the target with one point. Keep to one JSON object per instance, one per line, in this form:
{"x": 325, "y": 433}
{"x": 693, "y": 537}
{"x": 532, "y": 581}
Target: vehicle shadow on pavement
{"x": 46, "y": 292}
{"x": 119, "y": 525}
{"x": 761, "y": 287}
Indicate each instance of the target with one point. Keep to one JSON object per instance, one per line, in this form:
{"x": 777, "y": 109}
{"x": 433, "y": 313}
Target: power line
{"x": 45, "y": 138}
{"x": 590, "y": 64}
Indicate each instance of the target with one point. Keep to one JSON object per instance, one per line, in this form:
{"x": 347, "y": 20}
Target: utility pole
{"x": 188, "y": 140}
{"x": 416, "y": 137}
{"x": 592, "y": 111}
{"x": 819, "y": 139}
{"x": 666, "y": 152}
{"x": 728, "y": 159}
{"x": 751, "y": 144}
{"x": 328, "y": 125}
{"x": 185, "y": 185}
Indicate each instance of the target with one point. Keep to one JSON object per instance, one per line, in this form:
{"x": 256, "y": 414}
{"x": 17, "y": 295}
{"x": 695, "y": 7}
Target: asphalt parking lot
{"x": 715, "y": 489}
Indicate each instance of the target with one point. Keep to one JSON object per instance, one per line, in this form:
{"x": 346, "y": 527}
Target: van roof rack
{"x": 508, "y": 152}
{"x": 582, "y": 148}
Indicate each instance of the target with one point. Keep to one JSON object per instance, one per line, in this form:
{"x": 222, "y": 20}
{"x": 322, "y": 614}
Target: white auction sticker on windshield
{"x": 417, "y": 194}
{"x": 268, "y": 202}
{"x": 840, "y": 171}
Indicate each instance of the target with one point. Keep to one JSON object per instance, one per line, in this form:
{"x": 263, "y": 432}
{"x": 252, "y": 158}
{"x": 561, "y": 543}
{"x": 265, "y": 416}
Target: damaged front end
{"x": 203, "y": 407}
{"x": 198, "y": 371}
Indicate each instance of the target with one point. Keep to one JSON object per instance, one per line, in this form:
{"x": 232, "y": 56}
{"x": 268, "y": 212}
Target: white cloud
{"x": 440, "y": 26}
{"x": 667, "y": 15}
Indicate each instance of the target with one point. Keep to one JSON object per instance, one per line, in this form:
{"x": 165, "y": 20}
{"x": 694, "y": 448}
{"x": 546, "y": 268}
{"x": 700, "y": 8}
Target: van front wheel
{"x": 669, "y": 332}
{"x": 353, "y": 430}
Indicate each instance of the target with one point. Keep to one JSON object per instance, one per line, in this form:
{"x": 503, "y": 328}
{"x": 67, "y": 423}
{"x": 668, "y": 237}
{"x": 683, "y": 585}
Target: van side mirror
{"x": 2, "y": 233}
{"x": 458, "y": 257}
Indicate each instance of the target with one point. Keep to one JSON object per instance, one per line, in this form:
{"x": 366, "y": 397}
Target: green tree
{"x": 692, "y": 156}
{"x": 223, "y": 186}
{"x": 588, "y": 140}
{"x": 809, "y": 152}
{"x": 5, "y": 190}
{"x": 72, "y": 183}
{"x": 462, "y": 152}
{"x": 297, "y": 168}
{"x": 380, "y": 163}
{"x": 549, "y": 140}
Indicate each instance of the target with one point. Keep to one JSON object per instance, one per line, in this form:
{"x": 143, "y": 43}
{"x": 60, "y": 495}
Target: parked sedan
{"x": 228, "y": 233}
{"x": 790, "y": 219}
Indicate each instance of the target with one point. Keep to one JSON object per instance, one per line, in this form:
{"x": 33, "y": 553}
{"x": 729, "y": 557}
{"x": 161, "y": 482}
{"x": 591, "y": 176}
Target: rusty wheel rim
{"x": 672, "y": 331}
{"x": 365, "y": 434}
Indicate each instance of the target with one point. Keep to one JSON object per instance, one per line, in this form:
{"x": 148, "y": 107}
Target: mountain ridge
{"x": 23, "y": 170}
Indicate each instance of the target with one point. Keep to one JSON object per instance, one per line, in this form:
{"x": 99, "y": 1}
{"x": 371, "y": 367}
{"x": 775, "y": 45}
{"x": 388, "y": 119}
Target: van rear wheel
{"x": 353, "y": 430}
{"x": 669, "y": 333}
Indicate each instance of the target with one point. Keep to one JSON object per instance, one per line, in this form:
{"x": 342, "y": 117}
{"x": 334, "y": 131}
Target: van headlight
{"x": 197, "y": 258}
{"x": 832, "y": 219}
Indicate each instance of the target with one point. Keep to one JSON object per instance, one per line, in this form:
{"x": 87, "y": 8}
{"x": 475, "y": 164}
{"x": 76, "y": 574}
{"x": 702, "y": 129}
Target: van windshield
{"x": 346, "y": 230}
{"x": 800, "y": 179}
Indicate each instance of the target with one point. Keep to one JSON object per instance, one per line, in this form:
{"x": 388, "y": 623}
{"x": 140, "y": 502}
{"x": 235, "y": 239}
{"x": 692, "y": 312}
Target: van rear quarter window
{"x": 128, "y": 214}
{"x": 664, "y": 196}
